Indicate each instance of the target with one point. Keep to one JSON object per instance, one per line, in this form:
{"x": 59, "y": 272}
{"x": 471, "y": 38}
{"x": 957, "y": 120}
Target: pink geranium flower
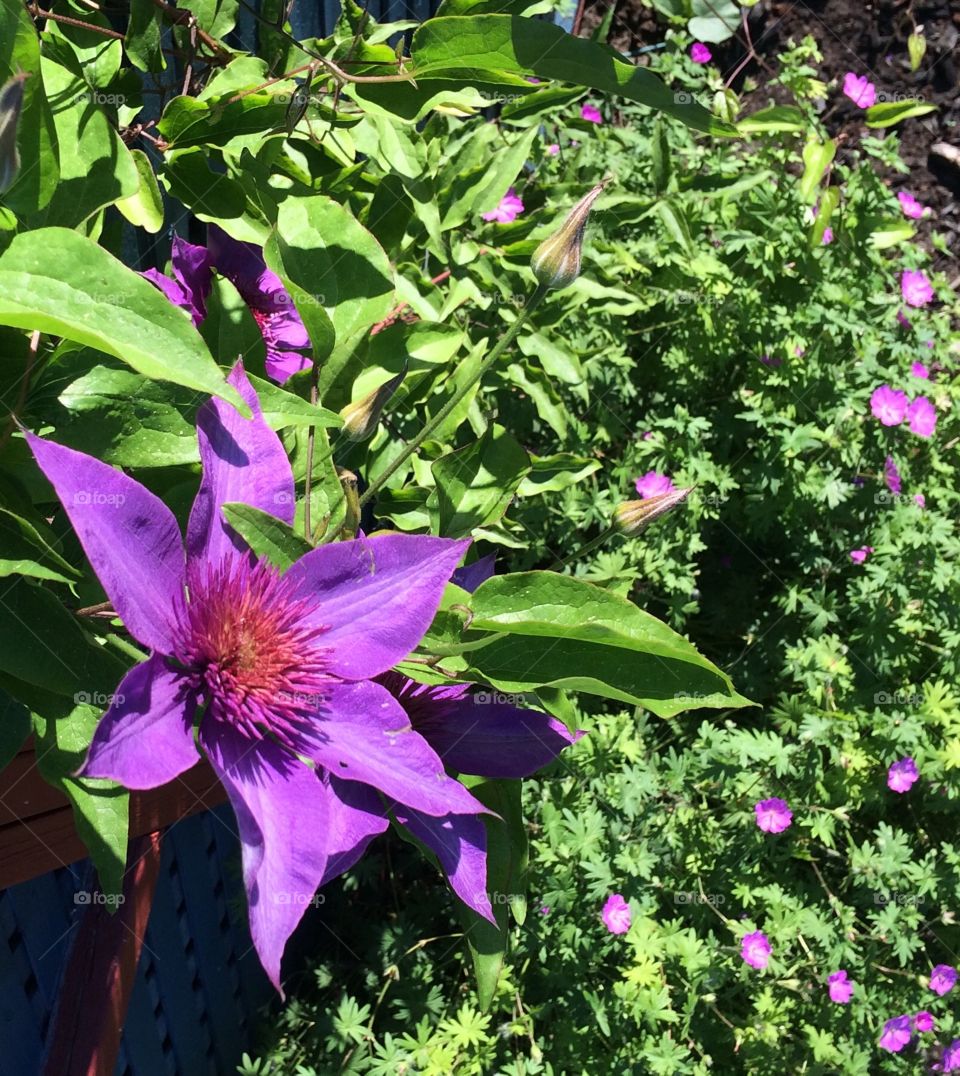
{"x": 653, "y": 484}
{"x": 773, "y": 815}
{"x": 922, "y": 416}
{"x": 902, "y": 775}
{"x": 699, "y": 53}
{"x": 910, "y": 206}
{"x": 923, "y": 1021}
{"x": 920, "y": 499}
{"x": 889, "y": 405}
{"x": 508, "y": 210}
{"x": 616, "y": 914}
{"x": 591, "y": 114}
{"x": 553, "y": 149}
{"x": 896, "y": 1034}
{"x": 827, "y": 237}
{"x": 918, "y": 369}
{"x": 858, "y": 556}
{"x": 859, "y": 89}
{"x": 840, "y": 987}
{"x": 942, "y": 979}
{"x": 915, "y": 288}
{"x": 755, "y": 949}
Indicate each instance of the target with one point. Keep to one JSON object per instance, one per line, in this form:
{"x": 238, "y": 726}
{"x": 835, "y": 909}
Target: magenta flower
{"x": 653, "y": 484}
{"x": 891, "y": 475}
{"x": 942, "y": 979}
{"x": 773, "y": 815}
{"x": 242, "y": 264}
{"x": 508, "y": 210}
{"x": 920, "y": 499}
{"x": 896, "y": 1034}
{"x": 616, "y": 914}
{"x": 699, "y": 53}
{"x": 859, "y": 89}
{"x": 279, "y": 667}
{"x": 915, "y": 288}
{"x": 918, "y": 369}
{"x": 910, "y": 206}
{"x": 858, "y": 556}
{"x": 889, "y": 405}
{"x": 827, "y": 237}
{"x": 902, "y": 775}
{"x": 755, "y": 949}
{"x": 922, "y": 416}
{"x": 840, "y": 987}
{"x": 924, "y": 1021}
{"x": 591, "y": 114}
{"x": 951, "y": 1058}
{"x": 553, "y": 149}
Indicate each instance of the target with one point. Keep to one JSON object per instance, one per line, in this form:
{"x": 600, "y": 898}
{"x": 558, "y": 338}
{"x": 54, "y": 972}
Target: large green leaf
{"x": 36, "y": 134}
{"x": 144, "y": 208}
{"x": 24, "y": 550}
{"x": 60, "y": 282}
{"x": 890, "y": 113}
{"x": 14, "y": 727}
{"x": 506, "y": 48}
{"x": 44, "y": 645}
{"x": 578, "y": 636}
{"x": 270, "y": 538}
{"x": 714, "y": 20}
{"x": 337, "y": 268}
{"x": 475, "y": 484}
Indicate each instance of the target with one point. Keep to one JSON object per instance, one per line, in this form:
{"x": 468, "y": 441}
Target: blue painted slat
{"x": 144, "y": 1030}
{"x": 21, "y": 1026}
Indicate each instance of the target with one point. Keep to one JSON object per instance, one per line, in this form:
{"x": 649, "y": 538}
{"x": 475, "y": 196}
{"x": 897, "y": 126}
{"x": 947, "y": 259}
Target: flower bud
{"x": 631, "y": 517}
{"x": 11, "y": 101}
{"x": 361, "y": 419}
{"x": 556, "y": 262}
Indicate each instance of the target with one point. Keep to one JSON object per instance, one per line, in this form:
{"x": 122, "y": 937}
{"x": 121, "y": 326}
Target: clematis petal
{"x": 377, "y": 596}
{"x": 363, "y": 734}
{"x": 283, "y": 814}
{"x": 357, "y": 816}
{"x": 493, "y": 739}
{"x": 282, "y": 365}
{"x": 243, "y": 460}
{"x": 193, "y": 268}
{"x": 145, "y": 739}
{"x": 460, "y": 842}
{"x": 470, "y": 576}
{"x": 129, "y": 535}
{"x": 173, "y": 290}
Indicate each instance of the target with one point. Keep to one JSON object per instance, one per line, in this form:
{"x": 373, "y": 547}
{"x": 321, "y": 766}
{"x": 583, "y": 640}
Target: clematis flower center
{"x": 251, "y": 650}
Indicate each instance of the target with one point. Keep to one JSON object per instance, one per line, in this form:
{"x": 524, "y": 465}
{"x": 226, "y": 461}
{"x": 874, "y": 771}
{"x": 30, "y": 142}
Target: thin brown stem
{"x": 38, "y": 13}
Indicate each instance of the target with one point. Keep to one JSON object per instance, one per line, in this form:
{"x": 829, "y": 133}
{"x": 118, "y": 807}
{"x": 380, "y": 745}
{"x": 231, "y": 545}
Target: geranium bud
{"x": 361, "y": 419}
{"x": 556, "y": 262}
{"x": 631, "y": 517}
{"x": 11, "y": 102}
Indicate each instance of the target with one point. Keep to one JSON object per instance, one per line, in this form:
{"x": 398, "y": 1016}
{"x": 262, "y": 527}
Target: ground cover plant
{"x": 563, "y": 452}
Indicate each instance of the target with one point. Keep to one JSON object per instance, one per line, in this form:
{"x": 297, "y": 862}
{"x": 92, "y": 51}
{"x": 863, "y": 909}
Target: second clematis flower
{"x": 272, "y": 673}
{"x": 284, "y": 335}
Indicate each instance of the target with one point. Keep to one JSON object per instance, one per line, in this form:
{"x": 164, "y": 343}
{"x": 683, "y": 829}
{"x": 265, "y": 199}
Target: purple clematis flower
{"x": 242, "y": 264}
{"x": 273, "y": 667}
{"x": 191, "y": 281}
{"x": 271, "y": 306}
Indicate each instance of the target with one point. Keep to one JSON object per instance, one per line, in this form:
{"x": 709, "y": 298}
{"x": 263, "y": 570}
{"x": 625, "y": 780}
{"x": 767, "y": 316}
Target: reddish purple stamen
{"x": 248, "y": 651}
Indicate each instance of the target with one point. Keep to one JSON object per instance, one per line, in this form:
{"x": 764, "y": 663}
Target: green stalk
{"x": 441, "y": 416}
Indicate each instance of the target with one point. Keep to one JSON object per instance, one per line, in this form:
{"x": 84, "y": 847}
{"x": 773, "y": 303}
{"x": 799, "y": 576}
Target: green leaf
{"x": 100, "y": 808}
{"x": 25, "y": 551}
{"x": 550, "y": 474}
{"x": 210, "y": 195}
{"x": 188, "y": 121}
{"x": 475, "y": 484}
{"x": 14, "y": 727}
{"x": 270, "y": 538}
{"x": 45, "y": 646}
{"x": 829, "y": 201}
{"x": 579, "y": 636}
{"x": 660, "y": 159}
{"x": 338, "y": 271}
{"x": 675, "y": 222}
{"x": 282, "y": 408}
{"x": 144, "y": 209}
{"x": 142, "y": 39}
{"x": 481, "y": 190}
{"x": 773, "y": 119}
{"x": 504, "y": 48}
{"x": 889, "y": 232}
{"x": 890, "y": 113}
{"x": 714, "y": 20}
{"x": 36, "y": 133}
{"x": 62, "y": 283}
{"x": 96, "y": 168}
{"x": 817, "y": 157}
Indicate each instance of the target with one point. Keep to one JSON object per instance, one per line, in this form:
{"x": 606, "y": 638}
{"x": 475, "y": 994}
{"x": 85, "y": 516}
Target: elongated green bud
{"x": 631, "y": 517}
{"x": 361, "y": 419}
{"x": 11, "y": 101}
{"x": 556, "y": 262}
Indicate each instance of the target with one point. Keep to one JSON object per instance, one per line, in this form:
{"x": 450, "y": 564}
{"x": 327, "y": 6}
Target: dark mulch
{"x": 869, "y": 38}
